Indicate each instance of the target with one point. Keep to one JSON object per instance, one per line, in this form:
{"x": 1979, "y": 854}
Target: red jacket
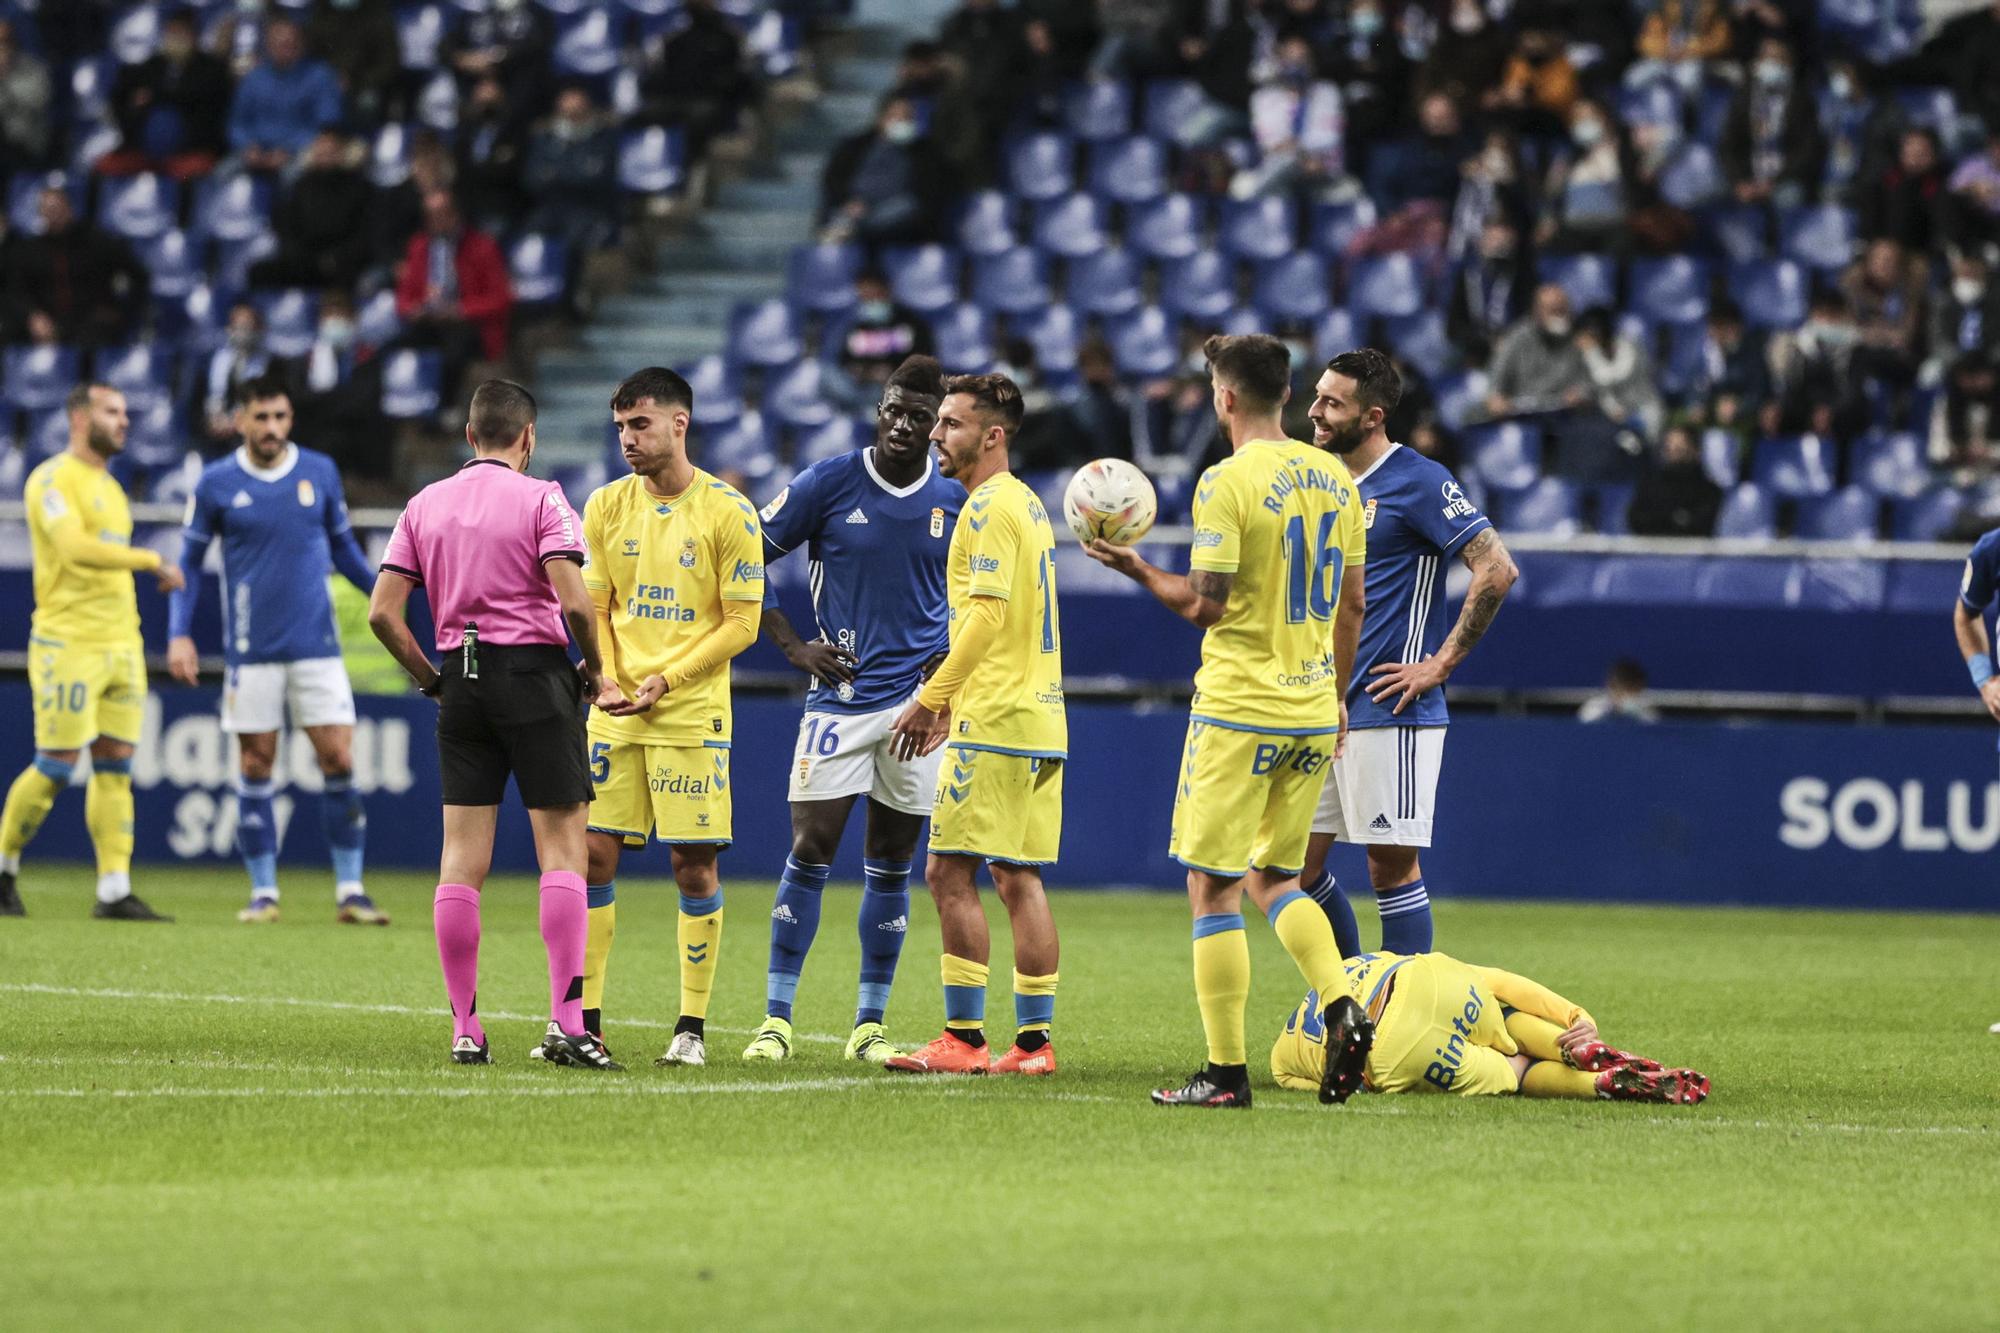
{"x": 484, "y": 295}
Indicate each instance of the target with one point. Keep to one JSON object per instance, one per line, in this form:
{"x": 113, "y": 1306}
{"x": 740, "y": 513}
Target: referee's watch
{"x": 432, "y": 690}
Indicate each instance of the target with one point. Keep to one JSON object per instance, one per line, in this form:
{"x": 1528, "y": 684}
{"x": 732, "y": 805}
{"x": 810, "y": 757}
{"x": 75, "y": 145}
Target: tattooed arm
{"x": 1199, "y": 598}
{"x": 1493, "y": 573}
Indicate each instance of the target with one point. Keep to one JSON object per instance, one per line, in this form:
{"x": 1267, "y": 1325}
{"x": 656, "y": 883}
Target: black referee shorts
{"x": 524, "y": 716}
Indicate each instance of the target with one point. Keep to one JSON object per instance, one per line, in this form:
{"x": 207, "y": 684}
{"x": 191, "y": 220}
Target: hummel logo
{"x": 783, "y": 912}
{"x": 1380, "y": 824}
{"x": 857, "y": 517}
{"x": 242, "y": 501}
{"x": 899, "y": 926}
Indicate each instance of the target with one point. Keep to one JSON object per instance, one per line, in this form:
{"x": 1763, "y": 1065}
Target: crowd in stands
{"x": 1675, "y": 267}
{"x": 362, "y": 196}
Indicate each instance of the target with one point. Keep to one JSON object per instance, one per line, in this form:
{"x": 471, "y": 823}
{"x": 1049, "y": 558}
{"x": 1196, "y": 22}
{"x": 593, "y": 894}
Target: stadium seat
{"x": 1721, "y": 457}
{"x": 24, "y": 198}
{"x": 1670, "y": 290}
{"x": 158, "y": 436}
{"x": 1420, "y": 340}
{"x": 1653, "y": 102}
{"x": 1130, "y": 171}
{"x": 1850, "y": 514}
{"x": 1795, "y": 466}
{"x": 1461, "y": 397}
{"x": 1201, "y": 286}
{"x": 232, "y": 208}
{"x": 1262, "y": 228}
{"x": 1054, "y": 334}
{"x": 964, "y": 338}
{"x": 651, "y": 161}
{"x": 718, "y": 390}
{"x": 38, "y": 378}
{"x": 46, "y": 434}
{"x": 1332, "y": 226}
{"x": 746, "y": 445}
{"x": 538, "y": 267}
{"x": 1613, "y": 503}
{"x": 1295, "y": 289}
{"x": 1071, "y": 226}
{"x": 1820, "y": 236}
{"x": 819, "y": 279}
{"x": 389, "y": 156}
{"x": 138, "y": 207}
{"x": 1335, "y": 333}
{"x": 1041, "y": 166}
{"x": 1169, "y": 229}
{"x": 1097, "y": 110}
{"x": 1890, "y": 464}
{"x": 836, "y": 438}
{"x": 1738, "y": 231}
{"x": 291, "y": 318}
{"x": 1748, "y": 513}
{"x": 420, "y": 31}
{"x": 586, "y": 45}
{"x": 376, "y": 323}
{"x": 1507, "y": 454}
{"x": 763, "y": 333}
{"x": 143, "y": 372}
{"x": 412, "y": 384}
{"x": 1174, "y": 110}
{"x": 1144, "y": 345}
{"x": 922, "y": 277}
{"x": 1590, "y": 280}
{"x": 1692, "y": 177}
{"x": 1546, "y": 508}
{"x": 135, "y": 33}
{"x": 775, "y": 43}
{"x": 1747, "y": 581}
{"x": 986, "y": 224}
{"x": 1644, "y": 580}
{"x": 1386, "y": 286}
{"x": 794, "y": 397}
{"x": 1109, "y": 282}
{"x": 1772, "y": 293}
{"x": 1012, "y": 283}
{"x": 1929, "y": 517}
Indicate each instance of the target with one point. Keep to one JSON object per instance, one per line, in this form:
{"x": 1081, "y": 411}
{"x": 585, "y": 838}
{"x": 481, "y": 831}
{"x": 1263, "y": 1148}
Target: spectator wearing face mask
{"x": 1855, "y": 127}
{"x": 1623, "y": 698}
{"x": 1814, "y": 375}
{"x": 1537, "y": 366}
{"x": 357, "y": 38}
{"x": 1491, "y": 188}
{"x": 1423, "y": 168}
{"x": 509, "y": 40}
{"x": 1731, "y": 378}
{"x": 1297, "y": 122}
{"x": 321, "y": 222}
{"x": 81, "y": 278}
{"x": 886, "y": 185}
{"x": 339, "y": 394}
{"x": 1584, "y": 197}
{"x": 172, "y": 108}
{"x": 492, "y": 141}
{"x": 1621, "y": 373}
{"x": 24, "y": 105}
{"x": 1489, "y": 292}
{"x": 878, "y": 337}
{"x": 700, "y": 79}
{"x": 1771, "y": 149}
{"x": 1675, "y": 496}
{"x": 1965, "y": 354}
{"x": 241, "y": 358}
{"x": 571, "y": 173}
{"x": 283, "y": 102}
{"x": 1468, "y": 55}
{"x": 1365, "y": 60}
{"x": 1885, "y": 291}
{"x": 1904, "y": 201}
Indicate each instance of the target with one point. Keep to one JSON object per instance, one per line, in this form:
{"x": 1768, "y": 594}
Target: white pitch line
{"x": 605, "y": 1088}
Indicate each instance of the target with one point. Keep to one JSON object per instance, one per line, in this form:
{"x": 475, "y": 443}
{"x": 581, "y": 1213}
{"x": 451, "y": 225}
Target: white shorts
{"x": 1383, "y": 790}
{"x": 847, "y": 754}
{"x": 256, "y": 694}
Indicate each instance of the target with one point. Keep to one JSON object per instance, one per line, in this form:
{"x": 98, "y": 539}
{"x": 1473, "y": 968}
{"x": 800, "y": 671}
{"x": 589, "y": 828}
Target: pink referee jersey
{"x": 477, "y": 541}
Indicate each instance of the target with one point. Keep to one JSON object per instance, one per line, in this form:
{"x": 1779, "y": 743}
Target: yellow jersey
{"x": 1003, "y": 546}
{"x": 1285, "y": 519}
{"x": 658, "y": 572}
{"x": 70, "y": 505}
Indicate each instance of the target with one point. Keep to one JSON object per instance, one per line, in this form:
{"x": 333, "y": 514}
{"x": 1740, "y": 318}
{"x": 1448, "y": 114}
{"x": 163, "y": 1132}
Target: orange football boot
{"x": 945, "y": 1055}
{"x": 1018, "y": 1061}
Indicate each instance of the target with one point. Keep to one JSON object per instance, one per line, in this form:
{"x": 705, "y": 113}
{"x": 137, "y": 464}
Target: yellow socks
{"x": 1536, "y": 1036}
{"x": 602, "y": 928}
{"x": 1222, "y": 982}
{"x": 965, "y": 994}
{"x": 107, "y": 812}
{"x": 1307, "y": 936}
{"x": 1552, "y": 1078}
{"x": 29, "y": 801}
{"x": 700, "y": 940}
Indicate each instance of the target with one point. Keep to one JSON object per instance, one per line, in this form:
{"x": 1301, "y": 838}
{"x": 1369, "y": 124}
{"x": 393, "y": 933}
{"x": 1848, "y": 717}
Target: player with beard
{"x": 1383, "y": 788}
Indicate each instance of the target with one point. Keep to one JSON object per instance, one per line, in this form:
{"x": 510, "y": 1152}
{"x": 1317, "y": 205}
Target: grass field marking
{"x": 599, "y": 1086}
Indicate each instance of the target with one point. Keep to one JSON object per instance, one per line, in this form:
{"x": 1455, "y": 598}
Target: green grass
{"x": 210, "y": 1125}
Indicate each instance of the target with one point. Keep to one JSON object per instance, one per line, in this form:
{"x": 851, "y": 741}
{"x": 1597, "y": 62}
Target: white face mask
{"x": 902, "y": 131}
{"x": 1967, "y": 290}
{"x": 1467, "y": 19}
{"x": 1587, "y": 132}
{"x": 1773, "y": 73}
{"x": 1556, "y": 328}
{"x": 1842, "y": 84}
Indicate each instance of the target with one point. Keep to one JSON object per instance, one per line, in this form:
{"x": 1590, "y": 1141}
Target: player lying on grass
{"x": 1439, "y": 1025}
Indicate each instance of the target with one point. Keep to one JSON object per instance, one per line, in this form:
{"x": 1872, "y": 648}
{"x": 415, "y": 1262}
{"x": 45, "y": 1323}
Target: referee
{"x": 501, "y": 556}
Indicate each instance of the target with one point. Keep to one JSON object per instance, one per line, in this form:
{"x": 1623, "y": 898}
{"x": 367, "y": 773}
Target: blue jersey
{"x": 877, "y": 574}
{"x": 1982, "y": 574}
{"x": 284, "y": 530}
{"x": 1417, "y": 520}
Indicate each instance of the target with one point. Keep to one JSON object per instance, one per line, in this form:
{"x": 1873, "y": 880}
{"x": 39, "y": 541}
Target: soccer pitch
{"x": 209, "y": 1124}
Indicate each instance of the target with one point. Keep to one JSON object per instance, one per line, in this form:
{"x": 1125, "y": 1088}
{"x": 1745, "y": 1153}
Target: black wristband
{"x": 435, "y": 688}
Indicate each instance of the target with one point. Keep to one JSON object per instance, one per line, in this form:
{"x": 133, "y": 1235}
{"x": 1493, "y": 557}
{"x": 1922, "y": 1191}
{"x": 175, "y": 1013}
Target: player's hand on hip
{"x": 1990, "y": 693}
{"x": 170, "y": 578}
{"x": 917, "y": 731}
{"x": 1409, "y": 679}
{"x": 1121, "y": 558}
{"x": 183, "y": 663}
{"x": 825, "y": 662}
{"x": 649, "y": 693}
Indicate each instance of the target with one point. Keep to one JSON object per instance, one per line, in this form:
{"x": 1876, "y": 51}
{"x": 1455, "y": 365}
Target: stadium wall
{"x": 1777, "y": 814}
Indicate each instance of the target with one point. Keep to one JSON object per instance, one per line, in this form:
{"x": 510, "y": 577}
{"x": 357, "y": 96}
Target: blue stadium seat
{"x": 1201, "y": 286}
{"x": 138, "y": 207}
{"x": 1386, "y": 286}
{"x": 835, "y": 439}
{"x": 46, "y": 434}
{"x": 1891, "y": 464}
{"x": 651, "y": 161}
{"x": 412, "y": 384}
{"x": 820, "y": 278}
{"x": 1335, "y": 333}
{"x": 232, "y": 208}
{"x": 1614, "y": 507}
{"x": 420, "y": 31}
{"x": 1654, "y": 102}
{"x": 1109, "y": 282}
{"x": 1738, "y": 231}
{"x": 90, "y": 82}
{"x": 1130, "y": 171}
{"x": 718, "y": 390}
{"x": 1461, "y": 397}
{"x": 389, "y": 156}
{"x": 1098, "y": 109}
{"x": 1590, "y": 280}
{"x": 1929, "y": 517}
{"x": 24, "y": 197}
{"x": 986, "y": 224}
{"x": 923, "y": 277}
{"x": 1071, "y": 226}
{"x": 746, "y": 445}
{"x": 1645, "y": 580}
{"x": 1295, "y": 289}
{"x": 1548, "y": 507}
{"x": 291, "y": 317}
{"x": 538, "y": 266}
{"x": 1262, "y": 228}
{"x": 1692, "y": 177}
{"x": 1747, "y": 581}
{"x": 1748, "y": 512}
{"x": 376, "y": 323}
{"x": 1850, "y": 514}
{"x": 1795, "y": 466}
{"x": 1721, "y": 457}
{"x": 775, "y": 42}
{"x": 587, "y": 45}
{"x": 1170, "y": 229}
{"x": 1507, "y": 454}
{"x": 1773, "y": 293}
{"x": 1054, "y": 334}
{"x": 963, "y": 334}
{"x": 1421, "y": 341}
{"x": 1820, "y": 236}
{"x": 143, "y": 372}
{"x": 1174, "y": 109}
{"x": 1041, "y": 166}
{"x": 794, "y": 396}
{"x": 1670, "y": 290}
{"x": 135, "y": 33}
{"x": 38, "y": 378}
{"x": 1012, "y": 283}
{"x": 763, "y": 333}
{"x": 1332, "y": 226}
{"x": 1145, "y": 345}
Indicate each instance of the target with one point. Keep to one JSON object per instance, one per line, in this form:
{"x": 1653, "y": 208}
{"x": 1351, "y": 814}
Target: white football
{"x": 1111, "y": 499}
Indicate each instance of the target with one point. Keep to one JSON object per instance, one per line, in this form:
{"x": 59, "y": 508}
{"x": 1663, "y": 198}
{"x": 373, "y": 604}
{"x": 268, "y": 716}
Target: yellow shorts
{"x": 1246, "y": 798}
{"x": 1002, "y": 807}
{"x": 83, "y": 691}
{"x": 671, "y": 793}
{"x": 1441, "y": 1031}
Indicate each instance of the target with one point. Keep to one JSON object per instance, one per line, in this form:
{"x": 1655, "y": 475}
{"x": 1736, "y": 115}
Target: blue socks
{"x": 257, "y": 835}
{"x": 345, "y": 825}
{"x": 794, "y": 922}
{"x": 1339, "y": 912}
{"x": 1406, "y": 918}
{"x": 884, "y": 921}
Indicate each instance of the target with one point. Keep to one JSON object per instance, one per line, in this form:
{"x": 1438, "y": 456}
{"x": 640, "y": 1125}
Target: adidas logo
{"x": 857, "y": 517}
{"x": 899, "y": 926}
{"x": 242, "y": 501}
{"x": 783, "y": 912}
{"x": 1380, "y": 825}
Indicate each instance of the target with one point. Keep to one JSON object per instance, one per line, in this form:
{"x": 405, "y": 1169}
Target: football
{"x": 1111, "y": 499}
